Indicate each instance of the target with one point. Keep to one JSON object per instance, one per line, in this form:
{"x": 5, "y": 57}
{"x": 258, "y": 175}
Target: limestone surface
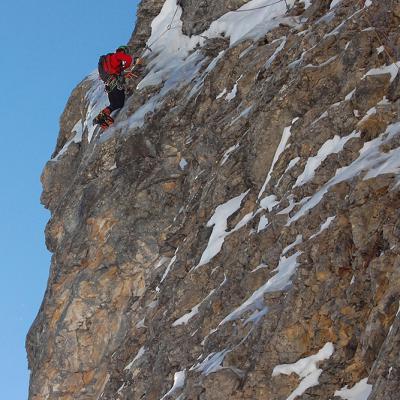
{"x": 236, "y": 233}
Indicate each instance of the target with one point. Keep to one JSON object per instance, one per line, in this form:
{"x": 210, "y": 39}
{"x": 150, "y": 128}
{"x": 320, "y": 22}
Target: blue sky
{"x": 46, "y": 47}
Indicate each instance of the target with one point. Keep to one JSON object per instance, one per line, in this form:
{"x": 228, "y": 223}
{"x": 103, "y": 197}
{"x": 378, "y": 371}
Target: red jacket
{"x": 115, "y": 63}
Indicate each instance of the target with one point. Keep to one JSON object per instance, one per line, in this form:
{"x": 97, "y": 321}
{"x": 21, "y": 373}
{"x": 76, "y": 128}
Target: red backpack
{"x": 103, "y": 68}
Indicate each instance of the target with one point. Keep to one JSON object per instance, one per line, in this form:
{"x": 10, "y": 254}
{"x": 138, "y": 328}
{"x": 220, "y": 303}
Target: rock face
{"x": 248, "y": 221}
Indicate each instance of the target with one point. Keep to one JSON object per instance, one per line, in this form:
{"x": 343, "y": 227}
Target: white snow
{"x": 323, "y": 226}
{"x": 360, "y": 391}
{"x": 392, "y": 69}
{"x": 140, "y": 353}
{"x": 384, "y": 101}
{"x": 179, "y": 383}
{"x": 334, "y": 3}
{"x": 212, "y": 362}
{"x": 269, "y": 202}
{"x": 350, "y": 95}
{"x": 183, "y": 164}
{"x": 95, "y": 100}
{"x": 280, "y": 281}
{"x": 322, "y": 116}
{"x": 281, "y": 147}
{"x": 331, "y": 146}
{"x": 370, "y": 159}
{"x": 328, "y": 61}
{"x": 232, "y": 94}
{"x": 292, "y": 205}
{"x": 289, "y": 208}
{"x": 291, "y": 164}
{"x": 243, "y": 222}
{"x": 380, "y": 49}
{"x": 251, "y": 24}
{"x": 220, "y": 225}
{"x": 263, "y": 223}
{"x": 77, "y": 138}
{"x": 141, "y": 324}
{"x": 175, "y": 61}
{"x": 244, "y": 113}
{"x": 169, "y": 267}
{"x": 299, "y": 240}
{"x": 199, "y": 80}
{"x": 261, "y": 266}
{"x": 276, "y": 52}
{"x": 306, "y": 369}
{"x": 228, "y": 153}
{"x": 222, "y": 94}
{"x": 187, "y": 317}
{"x": 337, "y": 29}
{"x": 119, "y": 391}
{"x": 370, "y": 112}
{"x": 256, "y": 316}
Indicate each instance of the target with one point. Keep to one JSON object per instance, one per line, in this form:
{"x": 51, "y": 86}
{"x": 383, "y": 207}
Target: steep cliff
{"x": 236, "y": 233}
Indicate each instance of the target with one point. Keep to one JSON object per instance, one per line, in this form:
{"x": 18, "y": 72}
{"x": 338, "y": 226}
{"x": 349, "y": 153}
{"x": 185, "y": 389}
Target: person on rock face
{"x": 113, "y": 71}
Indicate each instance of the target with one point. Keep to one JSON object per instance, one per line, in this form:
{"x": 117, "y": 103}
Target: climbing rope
{"x": 267, "y": 5}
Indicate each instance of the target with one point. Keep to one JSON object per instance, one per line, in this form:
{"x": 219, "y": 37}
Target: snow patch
{"x": 137, "y": 357}
{"x": 222, "y": 94}
{"x": 183, "y": 164}
{"x": 77, "y": 138}
{"x": 169, "y": 267}
{"x": 219, "y": 223}
{"x": 212, "y": 362}
{"x": 179, "y": 383}
{"x": 360, "y": 391}
{"x": 263, "y": 223}
{"x": 281, "y": 147}
{"x": 280, "y": 281}
{"x": 392, "y": 69}
{"x": 334, "y": 3}
{"x": 371, "y": 159}
{"x": 228, "y": 153}
{"x": 299, "y": 240}
{"x": 323, "y": 226}
{"x": 331, "y": 146}
{"x": 269, "y": 202}
{"x": 306, "y": 369}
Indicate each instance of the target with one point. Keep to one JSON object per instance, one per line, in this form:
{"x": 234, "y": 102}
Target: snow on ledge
{"x": 360, "y": 391}
{"x": 306, "y": 369}
{"x": 220, "y": 224}
{"x": 280, "y": 281}
{"x": 179, "y": 383}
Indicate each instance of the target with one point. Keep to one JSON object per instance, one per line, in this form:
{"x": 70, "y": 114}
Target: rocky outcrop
{"x": 236, "y": 234}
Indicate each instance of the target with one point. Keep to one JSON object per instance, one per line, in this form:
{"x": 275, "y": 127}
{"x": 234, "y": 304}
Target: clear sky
{"x": 47, "y": 47}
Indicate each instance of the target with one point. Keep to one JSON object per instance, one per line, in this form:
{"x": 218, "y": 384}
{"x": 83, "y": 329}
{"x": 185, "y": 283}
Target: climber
{"x": 114, "y": 70}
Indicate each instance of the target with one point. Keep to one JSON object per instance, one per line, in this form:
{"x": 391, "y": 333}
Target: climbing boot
{"x": 104, "y": 118}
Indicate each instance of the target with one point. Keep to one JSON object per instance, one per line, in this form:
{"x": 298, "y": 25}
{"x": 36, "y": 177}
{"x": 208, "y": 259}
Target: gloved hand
{"x": 138, "y": 61}
{"x": 130, "y": 75}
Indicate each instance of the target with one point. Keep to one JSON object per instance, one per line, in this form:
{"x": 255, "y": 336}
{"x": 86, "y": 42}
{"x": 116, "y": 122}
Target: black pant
{"x": 117, "y": 98}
